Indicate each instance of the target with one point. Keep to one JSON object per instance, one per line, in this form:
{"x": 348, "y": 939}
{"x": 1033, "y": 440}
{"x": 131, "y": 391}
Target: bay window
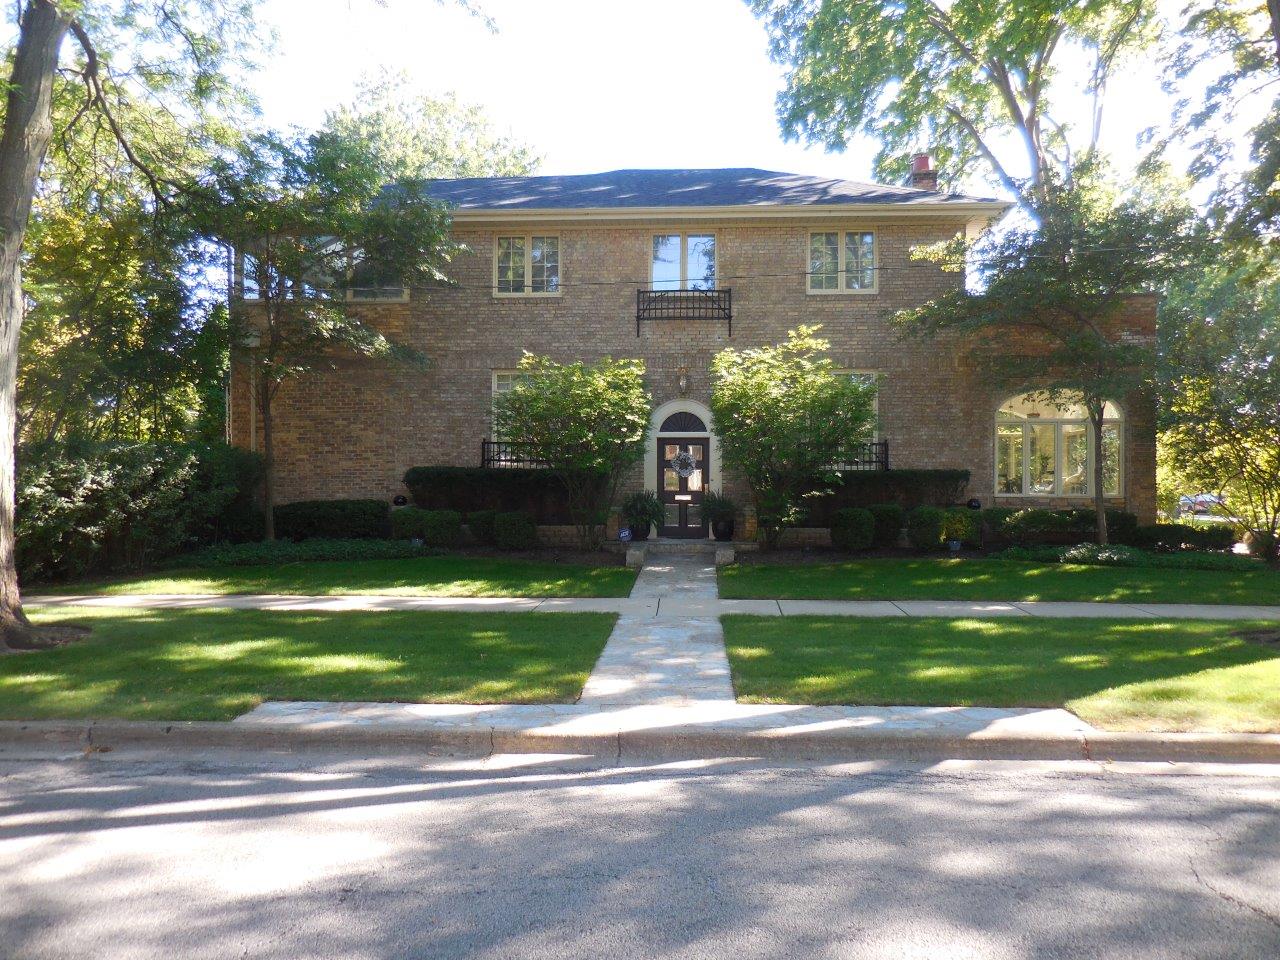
{"x": 1045, "y": 448}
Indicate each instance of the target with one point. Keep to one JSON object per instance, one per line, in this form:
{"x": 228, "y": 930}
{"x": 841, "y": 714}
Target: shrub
{"x": 480, "y": 523}
{"x": 435, "y": 528}
{"x": 717, "y": 507}
{"x": 924, "y": 527}
{"x": 993, "y": 521}
{"x": 476, "y": 489}
{"x": 1117, "y": 555}
{"x": 643, "y": 509}
{"x": 333, "y": 519}
{"x": 963, "y": 524}
{"x": 515, "y": 530}
{"x": 286, "y": 551}
{"x": 889, "y": 518}
{"x": 1172, "y": 537}
{"x": 1049, "y": 526}
{"x": 906, "y": 488}
{"x": 853, "y": 528}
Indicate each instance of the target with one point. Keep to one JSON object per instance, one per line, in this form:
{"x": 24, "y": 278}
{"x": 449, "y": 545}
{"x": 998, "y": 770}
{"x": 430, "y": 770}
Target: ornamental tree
{"x": 311, "y": 219}
{"x": 1045, "y": 318}
{"x": 784, "y": 417}
{"x": 586, "y": 421}
{"x": 1220, "y": 334}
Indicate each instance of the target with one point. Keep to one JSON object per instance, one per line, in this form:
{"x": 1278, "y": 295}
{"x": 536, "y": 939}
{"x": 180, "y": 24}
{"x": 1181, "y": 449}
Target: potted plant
{"x": 641, "y": 511}
{"x": 719, "y": 511}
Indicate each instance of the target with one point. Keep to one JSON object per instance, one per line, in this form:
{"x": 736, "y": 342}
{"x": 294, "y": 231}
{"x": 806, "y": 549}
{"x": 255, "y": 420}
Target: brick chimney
{"x": 923, "y": 176}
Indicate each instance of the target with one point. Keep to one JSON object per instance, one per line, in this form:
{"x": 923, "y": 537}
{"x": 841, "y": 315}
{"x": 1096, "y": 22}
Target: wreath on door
{"x": 684, "y": 464}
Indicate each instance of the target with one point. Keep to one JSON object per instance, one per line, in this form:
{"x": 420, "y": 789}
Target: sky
{"x": 592, "y": 85}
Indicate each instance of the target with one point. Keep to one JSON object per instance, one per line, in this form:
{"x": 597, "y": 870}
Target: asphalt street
{"x": 224, "y": 855}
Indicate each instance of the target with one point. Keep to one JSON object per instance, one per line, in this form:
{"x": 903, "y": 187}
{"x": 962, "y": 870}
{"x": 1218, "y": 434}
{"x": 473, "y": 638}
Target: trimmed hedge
{"x": 435, "y": 528}
{"x": 963, "y": 524}
{"x": 852, "y": 528}
{"x": 480, "y": 523}
{"x": 906, "y": 488}
{"x": 889, "y": 518}
{"x": 1172, "y": 537}
{"x": 334, "y": 519}
{"x": 1115, "y": 555}
{"x": 286, "y": 551}
{"x": 924, "y": 527}
{"x": 515, "y": 530}
{"x": 469, "y": 490}
{"x": 1035, "y": 526}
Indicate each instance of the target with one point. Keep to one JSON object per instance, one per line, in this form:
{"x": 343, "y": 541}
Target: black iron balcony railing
{"x": 499, "y": 454}
{"x": 867, "y": 456}
{"x": 684, "y": 305}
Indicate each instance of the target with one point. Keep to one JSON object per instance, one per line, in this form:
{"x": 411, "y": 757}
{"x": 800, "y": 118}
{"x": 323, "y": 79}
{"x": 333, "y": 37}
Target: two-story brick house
{"x": 672, "y": 266}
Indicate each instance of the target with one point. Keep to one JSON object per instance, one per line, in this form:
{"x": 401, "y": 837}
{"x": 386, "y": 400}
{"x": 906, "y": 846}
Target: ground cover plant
{"x": 1115, "y": 674}
{"x": 216, "y": 664}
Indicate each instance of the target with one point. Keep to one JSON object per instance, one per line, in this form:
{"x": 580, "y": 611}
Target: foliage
{"x": 275, "y": 552}
{"x": 643, "y": 509}
{"x": 889, "y": 519}
{"x": 435, "y": 528}
{"x": 852, "y": 528}
{"x": 334, "y": 519}
{"x": 1047, "y": 320}
{"x": 85, "y": 509}
{"x": 541, "y": 492}
{"x": 587, "y": 421}
{"x": 924, "y": 527}
{"x": 1035, "y": 525}
{"x": 963, "y": 524}
{"x": 419, "y": 137}
{"x": 783, "y": 416}
{"x": 1172, "y": 537}
{"x": 1220, "y": 331}
{"x": 516, "y": 530}
{"x": 989, "y": 81}
{"x": 1116, "y": 555}
{"x": 480, "y": 523}
{"x": 718, "y": 508}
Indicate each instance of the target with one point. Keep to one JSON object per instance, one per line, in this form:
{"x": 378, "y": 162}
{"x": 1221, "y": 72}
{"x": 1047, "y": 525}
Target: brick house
{"x": 672, "y": 266}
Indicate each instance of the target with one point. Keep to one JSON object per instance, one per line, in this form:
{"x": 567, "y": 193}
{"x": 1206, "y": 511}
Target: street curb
{"x": 672, "y": 743}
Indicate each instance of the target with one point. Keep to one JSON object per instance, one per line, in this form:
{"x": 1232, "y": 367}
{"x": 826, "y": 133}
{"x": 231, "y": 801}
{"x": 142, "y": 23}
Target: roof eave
{"x": 969, "y": 210}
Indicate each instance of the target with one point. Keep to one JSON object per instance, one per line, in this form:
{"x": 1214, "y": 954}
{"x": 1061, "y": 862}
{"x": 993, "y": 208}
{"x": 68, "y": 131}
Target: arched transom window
{"x": 1045, "y": 448}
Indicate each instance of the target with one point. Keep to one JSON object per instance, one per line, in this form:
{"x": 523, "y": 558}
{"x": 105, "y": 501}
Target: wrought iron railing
{"x": 684, "y": 305}
{"x": 499, "y": 454}
{"x": 873, "y": 455}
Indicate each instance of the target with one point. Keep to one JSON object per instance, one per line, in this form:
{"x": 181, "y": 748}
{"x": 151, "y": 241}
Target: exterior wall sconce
{"x": 682, "y": 383}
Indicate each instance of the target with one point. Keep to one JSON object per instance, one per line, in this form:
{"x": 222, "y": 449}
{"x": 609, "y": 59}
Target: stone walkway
{"x": 680, "y": 604}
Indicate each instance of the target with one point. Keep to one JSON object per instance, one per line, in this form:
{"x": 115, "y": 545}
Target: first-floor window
{"x": 527, "y": 265}
{"x": 1046, "y": 448}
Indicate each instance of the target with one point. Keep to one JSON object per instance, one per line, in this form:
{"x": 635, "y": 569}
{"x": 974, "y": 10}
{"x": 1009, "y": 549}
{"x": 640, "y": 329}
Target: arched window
{"x": 1045, "y": 448}
{"x": 683, "y": 422}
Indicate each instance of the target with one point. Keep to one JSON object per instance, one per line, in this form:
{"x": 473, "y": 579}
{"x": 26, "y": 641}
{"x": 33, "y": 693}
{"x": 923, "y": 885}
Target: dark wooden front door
{"x": 682, "y": 479}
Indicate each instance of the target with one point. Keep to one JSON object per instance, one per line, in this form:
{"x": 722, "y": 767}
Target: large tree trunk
{"x": 28, "y": 127}
{"x": 1099, "y": 495}
{"x": 268, "y": 461}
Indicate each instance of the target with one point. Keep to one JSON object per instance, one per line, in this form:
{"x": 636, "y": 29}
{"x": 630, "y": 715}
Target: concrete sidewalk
{"x": 679, "y": 606}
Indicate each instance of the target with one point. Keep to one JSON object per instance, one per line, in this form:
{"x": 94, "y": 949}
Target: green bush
{"x": 1117, "y": 555}
{"x": 643, "y": 509}
{"x": 1034, "y": 525}
{"x": 962, "y": 524}
{"x": 1172, "y": 537}
{"x": 853, "y": 528}
{"x": 303, "y": 551}
{"x": 716, "y": 507}
{"x": 906, "y": 488}
{"x": 471, "y": 490}
{"x": 889, "y": 518}
{"x": 85, "y": 508}
{"x": 993, "y": 521}
{"x": 924, "y": 527}
{"x": 334, "y": 519}
{"x": 515, "y": 530}
{"x": 435, "y": 528}
{"x": 480, "y": 523}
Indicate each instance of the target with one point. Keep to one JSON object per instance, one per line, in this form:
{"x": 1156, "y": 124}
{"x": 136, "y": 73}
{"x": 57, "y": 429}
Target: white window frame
{"x": 842, "y": 261}
{"x": 1059, "y": 454}
{"x": 528, "y": 291}
{"x": 684, "y": 236}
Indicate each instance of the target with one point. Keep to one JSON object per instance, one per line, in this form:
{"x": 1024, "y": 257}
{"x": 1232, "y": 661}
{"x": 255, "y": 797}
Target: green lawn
{"x": 943, "y": 578}
{"x": 444, "y": 576}
{"x": 1115, "y": 674}
{"x": 216, "y": 664}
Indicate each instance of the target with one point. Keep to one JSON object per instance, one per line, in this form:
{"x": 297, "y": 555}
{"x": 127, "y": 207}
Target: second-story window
{"x": 683, "y": 261}
{"x": 527, "y": 266}
{"x": 842, "y": 261}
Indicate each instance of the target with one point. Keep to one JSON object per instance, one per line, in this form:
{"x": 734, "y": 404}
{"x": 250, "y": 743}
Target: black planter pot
{"x": 722, "y": 529}
{"x": 639, "y": 533}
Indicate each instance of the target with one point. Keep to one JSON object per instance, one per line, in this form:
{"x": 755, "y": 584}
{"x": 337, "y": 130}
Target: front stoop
{"x": 721, "y": 552}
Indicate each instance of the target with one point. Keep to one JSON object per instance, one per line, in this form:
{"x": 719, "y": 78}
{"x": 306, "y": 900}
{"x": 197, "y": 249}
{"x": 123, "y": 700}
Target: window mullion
{"x": 1026, "y": 459}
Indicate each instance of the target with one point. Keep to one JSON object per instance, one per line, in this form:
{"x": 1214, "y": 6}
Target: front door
{"x": 682, "y": 479}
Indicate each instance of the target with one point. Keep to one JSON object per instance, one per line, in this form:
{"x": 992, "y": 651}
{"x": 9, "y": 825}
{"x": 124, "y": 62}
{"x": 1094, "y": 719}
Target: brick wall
{"x": 355, "y": 430}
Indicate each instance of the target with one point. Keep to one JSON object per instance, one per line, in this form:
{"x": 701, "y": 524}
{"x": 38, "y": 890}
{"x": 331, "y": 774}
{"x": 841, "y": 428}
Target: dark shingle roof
{"x": 741, "y": 187}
